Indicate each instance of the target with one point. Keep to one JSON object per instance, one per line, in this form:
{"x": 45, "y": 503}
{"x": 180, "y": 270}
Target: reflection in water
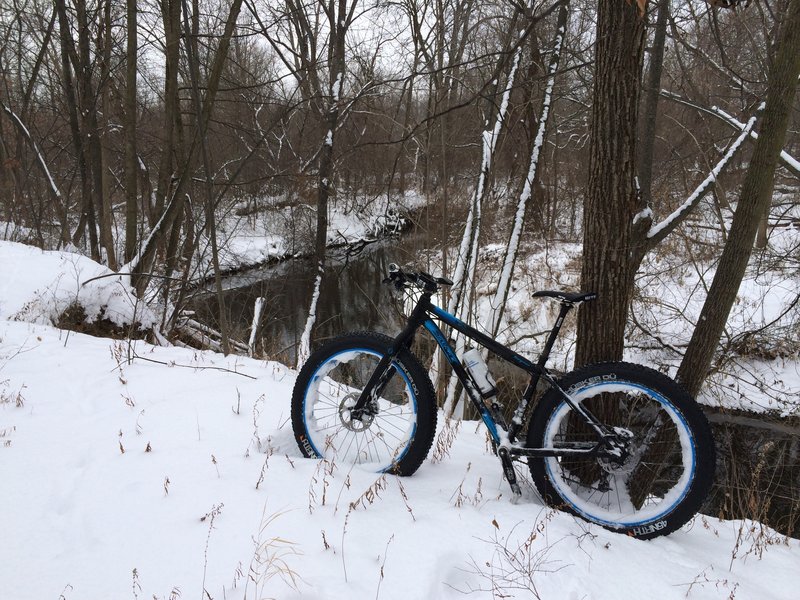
{"x": 352, "y": 298}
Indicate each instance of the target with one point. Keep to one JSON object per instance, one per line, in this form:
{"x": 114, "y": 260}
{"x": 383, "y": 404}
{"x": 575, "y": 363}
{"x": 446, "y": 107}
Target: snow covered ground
{"x": 133, "y": 471}
{"x": 38, "y": 286}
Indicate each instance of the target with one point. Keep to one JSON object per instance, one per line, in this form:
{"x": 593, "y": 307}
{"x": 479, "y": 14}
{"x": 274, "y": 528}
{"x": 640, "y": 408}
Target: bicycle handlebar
{"x": 419, "y": 279}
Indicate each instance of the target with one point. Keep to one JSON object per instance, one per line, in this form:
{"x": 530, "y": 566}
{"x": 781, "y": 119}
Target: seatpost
{"x": 566, "y": 306}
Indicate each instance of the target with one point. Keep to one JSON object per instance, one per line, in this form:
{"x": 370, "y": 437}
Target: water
{"x": 352, "y": 298}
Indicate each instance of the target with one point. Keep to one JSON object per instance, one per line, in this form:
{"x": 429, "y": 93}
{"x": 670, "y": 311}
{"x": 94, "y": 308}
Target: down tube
{"x": 459, "y": 369}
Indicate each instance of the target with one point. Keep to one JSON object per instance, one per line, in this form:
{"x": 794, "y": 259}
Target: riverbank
{"x": 274, "y": 230}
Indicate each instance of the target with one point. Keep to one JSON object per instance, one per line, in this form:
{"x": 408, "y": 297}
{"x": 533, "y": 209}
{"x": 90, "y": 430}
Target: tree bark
{"x": 754, "y": 201}
{"x": 170, "y": 14}
{"x": 68, "y": 58}
{"x": 611, "y": 199}
{"x": 339, "y": 18}
{"x": 91, "y": 132}
{"x": 650, "y": 112}
{"x": 131, "y": 158}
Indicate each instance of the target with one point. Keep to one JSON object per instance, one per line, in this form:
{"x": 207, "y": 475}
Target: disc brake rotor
{"x": 357, "y": 424}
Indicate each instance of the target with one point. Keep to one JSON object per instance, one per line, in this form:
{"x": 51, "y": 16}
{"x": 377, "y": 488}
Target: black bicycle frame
{"x": 422, "y": 316}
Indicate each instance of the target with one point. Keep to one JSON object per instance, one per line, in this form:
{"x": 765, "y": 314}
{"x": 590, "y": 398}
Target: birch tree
{"x": 131, "y": 157}
{"x": 512, "y": 247}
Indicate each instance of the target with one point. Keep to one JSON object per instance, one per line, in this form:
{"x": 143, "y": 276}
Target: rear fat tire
{"x": 411, "y": 392}
{"x": 661, "y": 392}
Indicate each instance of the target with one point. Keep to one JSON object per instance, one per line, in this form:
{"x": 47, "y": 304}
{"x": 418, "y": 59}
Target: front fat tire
{"x": 690, "y": 418}
{"x": 412, "y": 384}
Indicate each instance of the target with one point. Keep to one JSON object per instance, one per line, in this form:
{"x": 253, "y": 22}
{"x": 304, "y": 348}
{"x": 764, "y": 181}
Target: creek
{"x": 352, "y": 297}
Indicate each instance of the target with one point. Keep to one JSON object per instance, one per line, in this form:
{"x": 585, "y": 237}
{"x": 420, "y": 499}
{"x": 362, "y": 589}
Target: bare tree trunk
{"x": 328, "y": 103}
{"x": 68, "y": 58}
{"x": 612, "y": 199}
{"x": 753, "y": 204}
{"x": 104, "y": 50}
{"x": 650, "y": 112}
{"x": 131, "y": 157}
{"x": 171, "y": 15}
{"x": 763, "y": 230}
{"x": 91, "y": 133}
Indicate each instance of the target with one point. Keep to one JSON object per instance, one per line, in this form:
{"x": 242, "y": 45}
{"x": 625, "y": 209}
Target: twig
{"x": 172, "y": 364}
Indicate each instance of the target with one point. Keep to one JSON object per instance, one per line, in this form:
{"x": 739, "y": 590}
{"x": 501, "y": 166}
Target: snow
{"x": 255, "y": 239}
{"x": 670, "y": 297}
{"x": 790, "y": 161}
{"x": 646, "y": 213}
{"x": 38, "y": 286}
{"x": 15, "y": 233}
{"x": 259, "y": 307}
{"x": 211, "y": 493}
{"x": 337, "y": 87}
{"x": 154, "y": 472}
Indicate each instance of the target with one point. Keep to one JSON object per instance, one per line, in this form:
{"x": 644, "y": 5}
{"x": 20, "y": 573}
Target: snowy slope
{"x": 38, "y": 286}
{"x": 223, "y": 501}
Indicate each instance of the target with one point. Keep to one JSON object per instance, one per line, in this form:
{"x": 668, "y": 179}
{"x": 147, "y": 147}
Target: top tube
{"x": 447, "y": 317}
{"x": 483, "y": 339}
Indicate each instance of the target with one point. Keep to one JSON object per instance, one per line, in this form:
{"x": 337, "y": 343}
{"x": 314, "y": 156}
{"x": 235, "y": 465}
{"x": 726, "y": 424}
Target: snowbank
{"x": 38, "y": 286}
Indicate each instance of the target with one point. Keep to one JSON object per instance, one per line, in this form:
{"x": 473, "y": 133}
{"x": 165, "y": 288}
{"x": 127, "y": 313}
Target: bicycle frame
{"x": 505, "y": 437}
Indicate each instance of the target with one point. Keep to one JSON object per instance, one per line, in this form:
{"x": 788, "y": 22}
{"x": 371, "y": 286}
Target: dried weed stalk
{"x": 271, "y": 558}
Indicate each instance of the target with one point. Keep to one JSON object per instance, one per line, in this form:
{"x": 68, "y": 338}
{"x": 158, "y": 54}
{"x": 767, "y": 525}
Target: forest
{"x": 646, "y": 151}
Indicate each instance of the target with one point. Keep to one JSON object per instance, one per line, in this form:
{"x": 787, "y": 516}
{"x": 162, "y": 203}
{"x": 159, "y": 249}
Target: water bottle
{"x": 479, "y": 372}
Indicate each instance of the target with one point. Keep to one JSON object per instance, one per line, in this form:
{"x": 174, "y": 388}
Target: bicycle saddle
{"x": 569, "y": 297}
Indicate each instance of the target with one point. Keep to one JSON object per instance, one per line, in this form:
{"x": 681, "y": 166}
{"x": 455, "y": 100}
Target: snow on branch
{"x": 788, "y": 160}
{"x": 304, "y": 351}
{"x": 40, "y": 159}
{"x": 660, "y": 230}
{"x": 513, "y": 242}
{"x": 144, "y": 247}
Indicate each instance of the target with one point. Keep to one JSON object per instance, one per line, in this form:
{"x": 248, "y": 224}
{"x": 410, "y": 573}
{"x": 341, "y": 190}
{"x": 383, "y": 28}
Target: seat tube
{"x": 551, "y": 339}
